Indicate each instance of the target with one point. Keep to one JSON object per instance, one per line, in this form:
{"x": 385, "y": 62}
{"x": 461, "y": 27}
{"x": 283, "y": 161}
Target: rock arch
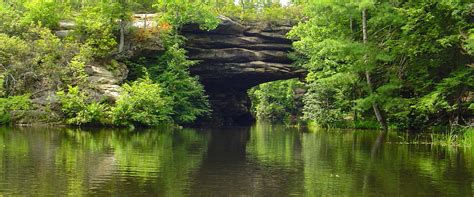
{"x": 235, "y": 57}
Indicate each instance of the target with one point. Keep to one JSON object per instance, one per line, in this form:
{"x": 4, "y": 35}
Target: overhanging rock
{"x": 235, "y": 57}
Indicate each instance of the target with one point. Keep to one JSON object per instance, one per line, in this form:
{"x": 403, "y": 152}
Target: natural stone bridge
{"x": 235, "y": 57}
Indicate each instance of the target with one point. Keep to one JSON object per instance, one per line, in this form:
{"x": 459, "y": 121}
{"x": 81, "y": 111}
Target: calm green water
{"x": 263, "y": 160}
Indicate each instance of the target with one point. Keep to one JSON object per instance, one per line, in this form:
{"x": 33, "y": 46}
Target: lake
{"x": 262, "y": 160}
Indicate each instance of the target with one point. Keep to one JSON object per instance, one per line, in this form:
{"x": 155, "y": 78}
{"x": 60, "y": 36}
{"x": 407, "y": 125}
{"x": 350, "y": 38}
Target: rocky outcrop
{"x": 235, "y": 57}
{"x": 106, "y": 81}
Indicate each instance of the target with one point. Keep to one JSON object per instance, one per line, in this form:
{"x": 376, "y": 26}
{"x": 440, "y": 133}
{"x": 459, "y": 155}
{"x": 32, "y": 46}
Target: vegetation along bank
{"x": 376, "y": 64}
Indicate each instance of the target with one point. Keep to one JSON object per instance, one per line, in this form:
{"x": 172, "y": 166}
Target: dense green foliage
{"x": 37, "y": 60}
{"x": 327, "y": 101}
{"x": 416, "y": 56}
{"x": 95, "y": 29}
{"x": 180, "y": 12}
{"x": 43, "y": 13}
{"x": 78, "y": 110}
{"x": 189, "y": 99}
{"x": 142, "y": 103}
{"x": 12, "y": 107}
{"x": 171, "y": 71}
{"x": 277, "y": 101}
{"x": 261, "y": 11}
{"x": 33, "y": 60}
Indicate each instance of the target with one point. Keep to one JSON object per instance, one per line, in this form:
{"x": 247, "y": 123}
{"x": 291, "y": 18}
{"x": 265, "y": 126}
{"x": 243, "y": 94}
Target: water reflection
{"x": 346, "y": 163}
{"x": 250, "y": 161}
{"x": 74, "y": 162}
{"x": 261, "y": 160}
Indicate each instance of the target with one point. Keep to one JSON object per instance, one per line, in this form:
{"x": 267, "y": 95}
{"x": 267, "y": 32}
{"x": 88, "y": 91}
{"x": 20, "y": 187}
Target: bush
{"x": 326, "y": 103}
{"x": 42, "y": 13}
{"x": 278, "y": 14}
{"x": 96, "y": 29}
{"x": 142, "y": 103}
{"x": 180, "y": 12}
{"x": 9, "y": 106}
{"x": 276, "y": 101}
{"x": 9, "y": 18}
{"x": 78, "y": 111}
{"x": 274, "y": 14}
{"x": 172, "y": 72}
{"x": 40, "y": 61}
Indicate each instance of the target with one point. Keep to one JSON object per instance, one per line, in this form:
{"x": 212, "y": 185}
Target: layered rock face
{"x": 235, "y": 57}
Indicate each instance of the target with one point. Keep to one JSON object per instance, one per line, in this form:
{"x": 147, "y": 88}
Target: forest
{"x": 371, "y": 64}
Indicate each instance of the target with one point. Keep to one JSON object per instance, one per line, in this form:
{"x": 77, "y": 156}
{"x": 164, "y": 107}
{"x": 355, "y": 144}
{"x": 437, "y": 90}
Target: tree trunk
{"x": 351, "y": 24}
{"x": 145, "y": 23}
{"x": 377, "y": 111}
{"x": 122, "y": 35}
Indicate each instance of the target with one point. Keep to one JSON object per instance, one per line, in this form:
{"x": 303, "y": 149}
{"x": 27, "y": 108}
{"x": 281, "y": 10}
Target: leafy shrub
{"x": 142, "y": 103}
{"x": 96, "y": 28}
{"x": 180, "y": 12}
{"x": 172, "y": 72}
{"x": 78, "y": 111}
{"x": 327, "y": 101}
{"x": 9, "y": 20}
{"x": 278, "y": 14}
{"x": 276, "y": 101}
{"x": 321, "y": 105}
{"x": 40, "y": 61}
{"x": 274, "y": 14}
{"x": 45, "y": 13}
{"x": 10, "y": 105}
{"x": 12, "y": 50}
